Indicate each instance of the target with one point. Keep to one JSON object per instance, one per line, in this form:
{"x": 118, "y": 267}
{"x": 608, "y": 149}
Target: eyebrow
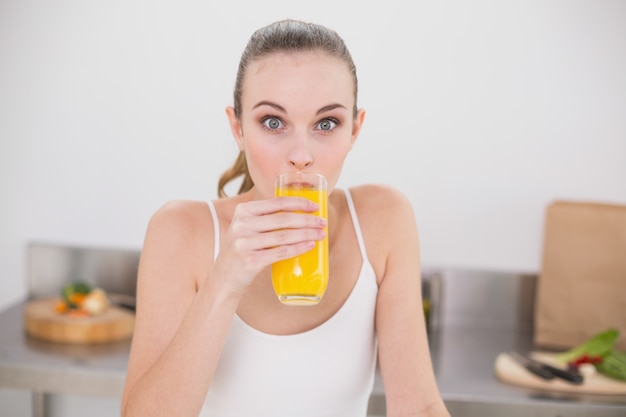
{"x": 330, "y": 107}
{"x": 280, "y": 108}
{"x": 271, "y": 104}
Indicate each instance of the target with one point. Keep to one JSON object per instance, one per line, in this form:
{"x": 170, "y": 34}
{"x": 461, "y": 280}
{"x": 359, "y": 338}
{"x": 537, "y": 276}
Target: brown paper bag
{"x": 581, "y": 289}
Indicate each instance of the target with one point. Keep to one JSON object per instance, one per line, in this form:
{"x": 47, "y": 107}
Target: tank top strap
{"x": 356, "y": 225}
{"x": 216, "y": 229}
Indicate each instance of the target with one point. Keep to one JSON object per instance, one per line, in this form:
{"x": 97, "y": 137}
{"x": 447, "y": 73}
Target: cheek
{"x": 263, "y": 164}
{"x": 254, "y": 155}
{"x": 259, "y": 153}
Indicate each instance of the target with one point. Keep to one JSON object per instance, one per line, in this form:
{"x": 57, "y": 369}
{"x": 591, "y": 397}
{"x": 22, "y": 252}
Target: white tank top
{"x": 327, "y": 371}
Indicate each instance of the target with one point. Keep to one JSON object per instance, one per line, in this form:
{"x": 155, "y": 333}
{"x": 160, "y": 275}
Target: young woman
{"x": 211, "y": 337}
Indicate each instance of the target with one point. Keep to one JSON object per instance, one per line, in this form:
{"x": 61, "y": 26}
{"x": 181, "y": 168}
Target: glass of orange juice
{"x": 302, "y": 280}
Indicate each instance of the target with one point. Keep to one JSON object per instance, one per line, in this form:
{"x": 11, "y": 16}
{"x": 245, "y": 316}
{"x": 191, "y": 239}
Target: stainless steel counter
{"x": 464, "y": 367}
{"x": 479, "y": 315}
{"x": 463, "y": 362}
{"x": 46, "y": 368}
{"x": 476, "y": 315}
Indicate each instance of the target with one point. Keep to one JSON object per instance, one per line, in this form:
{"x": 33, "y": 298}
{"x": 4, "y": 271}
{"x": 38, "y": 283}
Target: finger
{"x": 286, "y": 237}
{"x": 274, "y": 205}
{"x": 275, "y": 238}
{"x": 253, "y": 226}
{"x": 289, "y": 220}
{"x": 278, "y": 253}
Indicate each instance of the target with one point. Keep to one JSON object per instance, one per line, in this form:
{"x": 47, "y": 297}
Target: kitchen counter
{"x": 463, "y": 361}
{"x": 45, "y": 367}
{"x": 474, "y": 316}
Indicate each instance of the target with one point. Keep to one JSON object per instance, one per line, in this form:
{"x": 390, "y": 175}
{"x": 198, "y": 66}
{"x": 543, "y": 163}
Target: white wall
{"x": 482, "y": 112}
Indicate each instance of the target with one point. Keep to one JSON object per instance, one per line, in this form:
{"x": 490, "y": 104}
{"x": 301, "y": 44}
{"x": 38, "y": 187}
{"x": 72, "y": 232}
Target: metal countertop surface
{"x": 54, "y": 368}
{"x": 463, "y": 361}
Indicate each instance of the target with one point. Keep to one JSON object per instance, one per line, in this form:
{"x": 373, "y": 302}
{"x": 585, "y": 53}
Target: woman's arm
{"x": 185, "y": 303}
{"x": 404, "y": 356}
{"x": 179, "y": 330}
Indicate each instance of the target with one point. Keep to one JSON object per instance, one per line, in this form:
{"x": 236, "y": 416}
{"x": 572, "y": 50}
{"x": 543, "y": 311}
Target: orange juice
{"x": 302, "y": 280}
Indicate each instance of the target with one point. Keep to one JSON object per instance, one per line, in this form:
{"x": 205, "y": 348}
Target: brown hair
{"x": 283, "y": 36}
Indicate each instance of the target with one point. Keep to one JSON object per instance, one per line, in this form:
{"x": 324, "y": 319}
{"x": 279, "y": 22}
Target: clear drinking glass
{"x": 302, "y": 280}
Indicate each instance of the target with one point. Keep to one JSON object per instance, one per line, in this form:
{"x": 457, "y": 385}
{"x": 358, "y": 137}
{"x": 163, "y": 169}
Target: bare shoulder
{"x": 388, "y": 225}
{"x": 180, "y": 234}
{"x": 384, "y": 202}
{"x": 181, "y": 216}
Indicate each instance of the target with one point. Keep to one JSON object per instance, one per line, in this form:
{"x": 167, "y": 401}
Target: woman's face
{"x": 296, "y": 115}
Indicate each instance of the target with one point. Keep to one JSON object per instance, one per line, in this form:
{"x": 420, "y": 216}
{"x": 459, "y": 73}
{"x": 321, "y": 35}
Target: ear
{"x": 357, "y": 123}
{"x": 235, "y": 126}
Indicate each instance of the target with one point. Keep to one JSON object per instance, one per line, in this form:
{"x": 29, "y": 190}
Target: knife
{"x": 540, "y": 371}
{"x": 547, "y": 371}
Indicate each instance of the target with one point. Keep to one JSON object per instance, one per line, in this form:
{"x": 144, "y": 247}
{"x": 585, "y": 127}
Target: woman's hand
{"x": 263, "y": 232}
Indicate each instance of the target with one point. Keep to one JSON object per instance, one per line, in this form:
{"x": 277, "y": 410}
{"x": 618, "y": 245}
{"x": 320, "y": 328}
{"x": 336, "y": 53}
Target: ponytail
{"x": 239, "y": 168}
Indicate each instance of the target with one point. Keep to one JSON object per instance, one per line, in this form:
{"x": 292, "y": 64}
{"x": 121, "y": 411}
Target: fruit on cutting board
{"x": 79, "y": 299}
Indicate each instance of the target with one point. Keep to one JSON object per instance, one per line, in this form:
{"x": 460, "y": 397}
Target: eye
{"x": 327, "y": 124}
{"x": 272, "y": 123}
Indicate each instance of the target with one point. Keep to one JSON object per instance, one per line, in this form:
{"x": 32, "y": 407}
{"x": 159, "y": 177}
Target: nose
{"x": 300, "y": 155}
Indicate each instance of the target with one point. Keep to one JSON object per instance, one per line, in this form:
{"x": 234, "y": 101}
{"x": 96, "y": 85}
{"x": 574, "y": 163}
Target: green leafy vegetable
{"x": 599, "y": 345}
{"x": 613, "y": 365}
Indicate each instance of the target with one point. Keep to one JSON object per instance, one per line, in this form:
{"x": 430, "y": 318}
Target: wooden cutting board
{"x": 509, "y": 371}
{"x": 43, "y": 322}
